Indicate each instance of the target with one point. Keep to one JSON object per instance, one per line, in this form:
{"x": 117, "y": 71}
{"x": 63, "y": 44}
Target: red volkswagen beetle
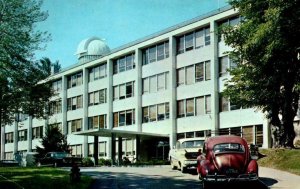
{"x": 226, "y": 159}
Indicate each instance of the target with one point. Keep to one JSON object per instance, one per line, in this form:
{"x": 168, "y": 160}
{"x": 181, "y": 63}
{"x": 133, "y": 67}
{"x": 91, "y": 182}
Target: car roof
{"x": 212, "y": 141}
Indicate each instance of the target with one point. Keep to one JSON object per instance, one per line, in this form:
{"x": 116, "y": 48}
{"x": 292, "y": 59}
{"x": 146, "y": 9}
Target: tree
{"x": 266, "y": 48}
{"x": 53, "y": 141}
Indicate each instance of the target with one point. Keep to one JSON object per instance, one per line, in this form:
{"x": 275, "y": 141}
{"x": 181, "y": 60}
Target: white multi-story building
{"x": 147, "y": 94}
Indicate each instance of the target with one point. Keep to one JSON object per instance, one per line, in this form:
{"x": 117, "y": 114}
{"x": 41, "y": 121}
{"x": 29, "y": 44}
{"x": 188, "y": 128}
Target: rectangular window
{"x": 145, "y": 114}
{"x": 167, "y": 109}
{"x": 102, "y": 121}
{"x": 180, "y": 108}
{"x": 223, "y": 66}
{"x": 129, "y": 117}
{"x": 199, "y": 72}
{"x": 145, "y": 85}
{"x": 22, "y": 135}
{"x": 180, "y": 76}
{"x": 207, "y": 36}
{"x": 96, "y": 96}
{"x": 199, "y": 35}
{"x": 153, "y": 84}
{"x": 9, "y": 137}
{"x": 152, "y": 54}
{"x": 146, "y": 57}
{"x": 160, "y": 112}
{"x": 152, "y": 113}
{"x": 122, "y": 118}
{"x": 116, "y": 67}
{"x": 95, "y": 122}
{"x": 161, "y": 82}
{"x": 189, "y": 45}
{"x": 190, "y": 107}
{"x": 122, "y": 91}
{"x": 116, "y": 92}
{"x": 102, "y": 96}
{"x": 207, "y": 71}
{"x": 180, "y": 45}
{"x": 129, "y": 62}
{"x": 116, "y": 119}
{"x": 102, "y": 71}
{"x": 199, "y": 106}
{"x": 224, "y": 103}
{"x": 129, "y": 89}
{"x": 160, "y": 52}
{"x": 96, "y": 71}
{"x": 190, "y": 75}
{"x": 207, "y": 104}
{"x": 167, "y": 49}
{"x": 122, "y": 64}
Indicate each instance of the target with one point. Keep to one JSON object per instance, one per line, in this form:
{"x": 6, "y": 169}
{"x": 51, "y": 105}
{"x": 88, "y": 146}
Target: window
{"x": 157, "y": 112}
{"x": 207, "y": 71}
{"x": 199, "y": 72}
{"x": 124, "y": 63}
{"x": 194, "y": 106}
{"x": 75, "y": 125}
{"x": 155, "y": 83}
{"x": 74, "y": 103}
{"x": 96, "y": 122}
{"x": 56, "y": 125}
{"x": 37, "y": 132}
{"x": 97, "y": 72}
{"x": 155, "y": 53}
{"x": 231, "y": 21}
{"x": 190, "y": 75}
{"x": 180, "y": 76}
{"x": 56, "y": 86}
{"x": 126, "y": 117}
{"x": 194, "y": 40}
{"x": 223, "y": 66}
{"x": 75, "y": 80}
{"x": 55, "y": 107}
{"x": 124, "y": 91}
{"x": 180, "y": 108}
{"x": 9, "y": 137}
{"x": 76, "y": 150}
{"x": 22, "y": 135}
{"x": 190, "y": 107}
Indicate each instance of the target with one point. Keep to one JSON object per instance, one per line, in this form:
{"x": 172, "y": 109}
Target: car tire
{"x": 183, "y": 169}
{"x": 206, "y": 185}
{"x": 172, "y": 164}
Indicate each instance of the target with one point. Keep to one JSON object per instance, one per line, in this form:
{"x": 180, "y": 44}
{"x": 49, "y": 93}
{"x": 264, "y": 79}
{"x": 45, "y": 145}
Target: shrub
{"x": 87, "y": 162}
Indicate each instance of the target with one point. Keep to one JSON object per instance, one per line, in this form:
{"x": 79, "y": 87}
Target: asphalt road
{"x": 162, "y": 177}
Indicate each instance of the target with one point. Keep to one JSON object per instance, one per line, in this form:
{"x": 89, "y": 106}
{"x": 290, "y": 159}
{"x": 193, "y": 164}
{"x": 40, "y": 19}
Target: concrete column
{"x": 214, "y": 77}
{"x": 267, "y": 134}
{"x": 173, "y": 86}
{"x": 113, "y": 149}
{"x": 110, "y": 107}
{"x": 120, "y": 150}
{"x": 85, "y": 77}
{"x": 137, "y": 147}
{"x": 64, "y": 90}
{"x": 29, "y": 134}
{"x": 2, "y": 142}
{"x": 138, "y": 90}
{"x": 96, "y": 149}
{"x": 16, "y": 123}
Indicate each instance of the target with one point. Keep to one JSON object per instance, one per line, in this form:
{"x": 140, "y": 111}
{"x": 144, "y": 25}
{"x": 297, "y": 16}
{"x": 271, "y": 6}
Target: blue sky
{"x": 117, "y": 21}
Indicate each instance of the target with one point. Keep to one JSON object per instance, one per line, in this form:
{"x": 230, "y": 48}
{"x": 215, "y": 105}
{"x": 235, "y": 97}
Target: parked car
{"x": 226, "y": 159}
{"x": 58, "y": 159}
{"x": 184, "y": 155}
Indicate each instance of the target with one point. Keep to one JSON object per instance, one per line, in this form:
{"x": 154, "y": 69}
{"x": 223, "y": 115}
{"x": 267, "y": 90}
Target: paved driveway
{"x": 162, "y": 177}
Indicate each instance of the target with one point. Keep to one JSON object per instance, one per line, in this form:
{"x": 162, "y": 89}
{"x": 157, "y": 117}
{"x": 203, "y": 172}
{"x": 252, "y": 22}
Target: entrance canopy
{"x": 118, "y": 133}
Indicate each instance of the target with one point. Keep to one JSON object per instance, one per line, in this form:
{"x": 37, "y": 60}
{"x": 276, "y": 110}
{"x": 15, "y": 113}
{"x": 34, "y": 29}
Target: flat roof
{"x": 118, "y": 133}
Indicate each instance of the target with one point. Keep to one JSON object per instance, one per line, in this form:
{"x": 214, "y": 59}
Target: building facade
{"x": 147, "y": 94}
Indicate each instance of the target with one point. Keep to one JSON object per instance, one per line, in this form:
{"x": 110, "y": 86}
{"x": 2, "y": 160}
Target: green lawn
{"x": 36, "y": 178}
{"x": 282, "y": 159}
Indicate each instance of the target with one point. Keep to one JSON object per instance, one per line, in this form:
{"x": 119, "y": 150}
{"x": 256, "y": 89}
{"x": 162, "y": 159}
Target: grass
{"x": 282, "y": 159}
{"x": 36, "y": 178}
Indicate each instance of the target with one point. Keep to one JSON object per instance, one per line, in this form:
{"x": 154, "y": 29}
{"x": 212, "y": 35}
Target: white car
{"x": 184, "y": 155}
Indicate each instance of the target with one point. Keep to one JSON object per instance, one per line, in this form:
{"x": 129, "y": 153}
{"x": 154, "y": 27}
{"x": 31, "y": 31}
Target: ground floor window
{"x": 8, "y": 155}
{"x": 76, "y": 150}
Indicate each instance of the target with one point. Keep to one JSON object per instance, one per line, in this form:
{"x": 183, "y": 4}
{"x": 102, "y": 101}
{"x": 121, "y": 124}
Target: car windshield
{"x": 229, "y": 147}
{"x": 60, "y": 155}
{"x": 192, "y": 144}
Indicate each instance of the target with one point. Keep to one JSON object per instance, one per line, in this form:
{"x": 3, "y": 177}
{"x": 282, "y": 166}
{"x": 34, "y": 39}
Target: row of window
{"x": 193, "y": 134}
{"x": 97, "y": 122}
{"x": 194, "y": 106}
{"x": 74, "y": 103}
{"x": 56, "y": 85}
{"x": 125, "y": 90}
{"x": 102, "y": 150}
{"x": 74, "y": 125}
{"x": 55, "y": 107}
{"x": 97, "y": 97}
{"x": 123, "y": 64}
{"x": 37, "y": 132}
{"x": 74, "y": 80}
{"x": 194, "y": 73}
{"x": 76, "y": 150}
{"x": 155, "y": 83}
{"x": 124, "y": 118}
{"x": 156, "y": 53}
{"x": 193, "y": 40}
{"x": 97, "y": 72}
{"x": 156, "y": 112}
